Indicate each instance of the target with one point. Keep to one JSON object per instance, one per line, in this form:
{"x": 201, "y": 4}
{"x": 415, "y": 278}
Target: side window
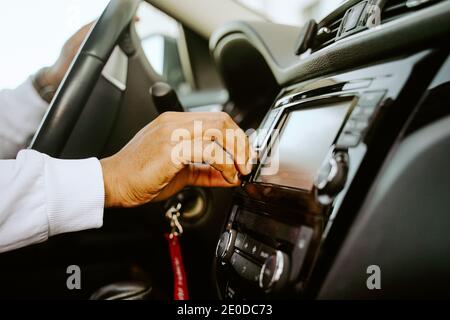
{"x": 33, "y": 33}
{"x": 159, "y": 35}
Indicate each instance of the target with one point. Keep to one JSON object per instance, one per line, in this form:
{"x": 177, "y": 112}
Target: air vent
{"x": 356, "y": 19}
{"x": 394, "y": 9}
{"x": 327, "y": 34}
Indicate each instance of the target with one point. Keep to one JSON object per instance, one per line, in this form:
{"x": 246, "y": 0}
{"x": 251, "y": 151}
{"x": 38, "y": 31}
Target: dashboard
{"x": 337, "y": 188}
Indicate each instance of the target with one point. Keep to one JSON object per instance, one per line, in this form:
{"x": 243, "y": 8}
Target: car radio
{"x": 310, "y": 145}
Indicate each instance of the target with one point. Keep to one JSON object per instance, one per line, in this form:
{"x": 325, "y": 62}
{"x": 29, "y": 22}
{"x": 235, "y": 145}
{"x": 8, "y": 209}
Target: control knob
{"x": 274, "y": 272}
{"x": 225, "y": 246}
{"x": 331, "y": 177}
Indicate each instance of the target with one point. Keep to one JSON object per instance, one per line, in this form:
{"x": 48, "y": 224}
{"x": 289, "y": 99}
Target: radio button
{"x": 361, "y": 114}
{"x": 300, "y": 250}
{"x": 361, "y": 125}
{"x": 356, "y": 126}
{"x": 251, "y": 246}
{"x": 371, "y": 99}
{"x": 231, "y": 294}
{"x": 240, "y": 238}
{"x": 265, "y": 252}
{"x": 350, "y": 125}
{"x": 348, "y": 140}
{"x": 245, "y": 268}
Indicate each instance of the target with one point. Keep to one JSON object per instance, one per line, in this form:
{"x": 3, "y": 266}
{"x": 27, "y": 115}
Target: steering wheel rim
{"x": 76, "y": 87}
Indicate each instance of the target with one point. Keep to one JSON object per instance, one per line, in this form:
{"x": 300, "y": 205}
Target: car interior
{"x": 353, "y": 110}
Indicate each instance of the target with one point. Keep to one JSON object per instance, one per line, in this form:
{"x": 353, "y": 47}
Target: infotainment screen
{"x": 302, "y": 145}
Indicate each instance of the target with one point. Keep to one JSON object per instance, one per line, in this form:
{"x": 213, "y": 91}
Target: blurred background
{"x": 33, "y": 32}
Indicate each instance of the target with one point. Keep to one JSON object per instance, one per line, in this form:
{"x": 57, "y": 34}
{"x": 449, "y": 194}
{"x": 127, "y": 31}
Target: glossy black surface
{"x": 402, "y": 226}
{"x": 275, "y": 216}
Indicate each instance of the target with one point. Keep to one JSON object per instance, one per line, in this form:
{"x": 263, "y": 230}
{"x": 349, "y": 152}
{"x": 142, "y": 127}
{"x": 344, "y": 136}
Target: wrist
{"x": 109, "y": 183}
{"x": 52, "y": 77}
{"x": 46, "y": 82}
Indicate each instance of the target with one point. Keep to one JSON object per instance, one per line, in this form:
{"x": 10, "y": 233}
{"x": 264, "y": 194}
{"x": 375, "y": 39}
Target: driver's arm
{"x": 22, "y": 109}
{"x": 41, "y": 196}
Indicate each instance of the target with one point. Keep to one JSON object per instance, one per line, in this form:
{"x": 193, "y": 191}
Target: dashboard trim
{"x": 427, "y": 25}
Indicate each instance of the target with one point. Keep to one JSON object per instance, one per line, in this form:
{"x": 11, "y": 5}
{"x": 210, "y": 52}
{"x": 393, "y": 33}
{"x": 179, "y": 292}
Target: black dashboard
{"x": 353, "y": 146}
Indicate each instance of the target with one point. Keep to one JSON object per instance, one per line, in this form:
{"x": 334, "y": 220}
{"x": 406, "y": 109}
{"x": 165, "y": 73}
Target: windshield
{"x": 294, "y": 12}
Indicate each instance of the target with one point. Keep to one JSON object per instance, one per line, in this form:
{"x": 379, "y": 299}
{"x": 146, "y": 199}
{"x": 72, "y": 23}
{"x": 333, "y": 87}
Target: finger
{"x": 219, "y": 127}
{"x": 219, "y": 159}
{"x": 207, "y": 152}
{"x": 207, "y": 176}
{"x": 175, "y": 185}
{"x": 82, "y": 32}
{"x": 236, "y": 144}
{"x": 78, "y": 37}
{"x": 197, "y": 175}
{"x": 239, "y": 143}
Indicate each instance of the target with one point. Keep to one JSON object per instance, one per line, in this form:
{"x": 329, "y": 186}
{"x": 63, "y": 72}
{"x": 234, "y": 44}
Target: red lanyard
{"x": 180, "y": 287}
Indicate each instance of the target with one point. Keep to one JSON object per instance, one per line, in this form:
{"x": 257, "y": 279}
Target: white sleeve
{"x": 41, "y": 196}
{"x": 21, "y": 112}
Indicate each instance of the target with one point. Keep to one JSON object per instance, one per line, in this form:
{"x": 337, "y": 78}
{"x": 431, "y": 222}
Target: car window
{"x": 33, "y": 32}
{"x": 159, "y": 35}
{"x": 293, "y": 12}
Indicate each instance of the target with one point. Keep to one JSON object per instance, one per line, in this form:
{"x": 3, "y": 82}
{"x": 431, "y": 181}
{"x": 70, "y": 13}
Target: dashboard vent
{"x": 394, "y": 9}
{"x": 333, "y": 30}
{"x": 327, "y": 34}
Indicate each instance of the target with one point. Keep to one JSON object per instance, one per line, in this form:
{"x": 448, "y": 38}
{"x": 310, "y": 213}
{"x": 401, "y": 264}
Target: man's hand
{"x": 55, "y": 73}
{"x": 48, "y": 79}
{"x": 173, "y": 151}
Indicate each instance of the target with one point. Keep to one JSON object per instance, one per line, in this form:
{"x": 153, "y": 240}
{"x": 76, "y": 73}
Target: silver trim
{"x": 416, "y": 3}
{"x": 185, "y": 58}
{"x": 323, "y": 30}
{"x": 116, "y": 69}
{"x": 347, "y": 88}
{"x": 231, "y": 239}
{"x": 278, "y": 271}
{"x": 331, "y": 174}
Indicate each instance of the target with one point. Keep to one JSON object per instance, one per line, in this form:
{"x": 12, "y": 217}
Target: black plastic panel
{"x": 403, "y": 226}
{"x": 385, "y": 95}
{"x": 276, "y": 43}
{"x": 95, "y": 123}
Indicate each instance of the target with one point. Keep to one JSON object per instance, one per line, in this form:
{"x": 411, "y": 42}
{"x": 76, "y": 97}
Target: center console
{"x": 311, "y": 145}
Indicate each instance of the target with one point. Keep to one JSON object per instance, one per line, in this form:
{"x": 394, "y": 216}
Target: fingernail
{"x": 253, "y": 154}
{"x": 249, "y": 166}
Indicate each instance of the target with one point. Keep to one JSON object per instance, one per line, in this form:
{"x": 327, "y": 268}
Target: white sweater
{"x": 41, "y": 196}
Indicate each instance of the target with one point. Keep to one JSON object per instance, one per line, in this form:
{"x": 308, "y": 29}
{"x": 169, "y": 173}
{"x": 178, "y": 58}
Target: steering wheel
{"x": 75, "y": 89}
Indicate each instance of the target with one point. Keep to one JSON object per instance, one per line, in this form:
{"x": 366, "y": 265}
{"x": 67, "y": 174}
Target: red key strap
{"x": 180, "y": 290}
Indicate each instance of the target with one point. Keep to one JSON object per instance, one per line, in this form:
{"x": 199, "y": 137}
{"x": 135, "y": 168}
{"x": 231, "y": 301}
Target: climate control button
{"x": 265, "y": 252}
{"x": 245, "y": 268}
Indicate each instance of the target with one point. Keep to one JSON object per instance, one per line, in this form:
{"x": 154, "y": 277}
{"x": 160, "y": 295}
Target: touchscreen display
{"x": 302, "y": 145}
